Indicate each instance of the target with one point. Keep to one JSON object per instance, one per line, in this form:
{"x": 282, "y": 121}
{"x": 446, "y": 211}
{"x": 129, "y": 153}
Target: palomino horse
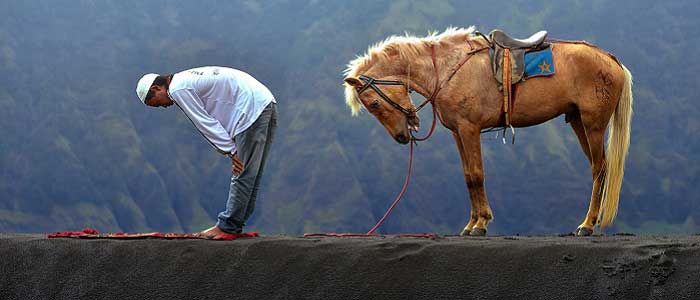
{"x": 591, "y": 87}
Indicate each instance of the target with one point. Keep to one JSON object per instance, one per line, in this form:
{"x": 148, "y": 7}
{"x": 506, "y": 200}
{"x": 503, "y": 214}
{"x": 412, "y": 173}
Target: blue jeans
{"x": 253, "y": 145}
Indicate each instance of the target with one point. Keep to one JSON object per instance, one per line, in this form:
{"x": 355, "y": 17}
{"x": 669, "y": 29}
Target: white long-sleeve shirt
{"x": 221, "y": 102}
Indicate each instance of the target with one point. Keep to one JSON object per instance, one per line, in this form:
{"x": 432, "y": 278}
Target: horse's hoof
{"x": 477, "y": 232}
{"x": 465, "y": 232}
{"x": 583, "y": 231}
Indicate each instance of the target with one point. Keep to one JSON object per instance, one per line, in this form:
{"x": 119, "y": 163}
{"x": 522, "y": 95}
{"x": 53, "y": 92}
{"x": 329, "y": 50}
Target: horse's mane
{"x": 408, "y": 47}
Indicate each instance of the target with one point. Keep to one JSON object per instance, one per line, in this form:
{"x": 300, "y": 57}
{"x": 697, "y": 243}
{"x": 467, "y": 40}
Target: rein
{"x": 371, "y": 83}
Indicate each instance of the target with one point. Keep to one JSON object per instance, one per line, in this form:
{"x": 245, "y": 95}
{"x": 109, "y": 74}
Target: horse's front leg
{"x": 468, "y": 141}
{"x": 473, "y": 217}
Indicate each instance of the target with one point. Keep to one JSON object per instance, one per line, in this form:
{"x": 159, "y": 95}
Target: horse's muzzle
{"x": 402, "y": 139}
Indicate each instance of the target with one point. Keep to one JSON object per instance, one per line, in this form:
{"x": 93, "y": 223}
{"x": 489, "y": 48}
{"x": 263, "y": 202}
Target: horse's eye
{"x": 374, "y": 104}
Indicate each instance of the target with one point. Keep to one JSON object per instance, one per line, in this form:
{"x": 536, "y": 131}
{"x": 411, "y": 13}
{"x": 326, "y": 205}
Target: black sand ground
{"x": 612, "y": 267}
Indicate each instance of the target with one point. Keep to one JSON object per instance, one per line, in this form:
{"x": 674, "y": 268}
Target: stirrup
{"x": 512, "y": 130}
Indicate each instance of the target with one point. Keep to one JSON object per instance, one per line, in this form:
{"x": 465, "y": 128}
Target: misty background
{"x": 78, "y": 149}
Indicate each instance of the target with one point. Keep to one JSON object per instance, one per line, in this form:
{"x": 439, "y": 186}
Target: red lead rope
{"x": 408, "y": 175}
{"x": 398, "y": 198}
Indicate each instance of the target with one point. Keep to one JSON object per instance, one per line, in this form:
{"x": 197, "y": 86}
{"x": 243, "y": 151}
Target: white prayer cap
{"x": 144, "y": 85}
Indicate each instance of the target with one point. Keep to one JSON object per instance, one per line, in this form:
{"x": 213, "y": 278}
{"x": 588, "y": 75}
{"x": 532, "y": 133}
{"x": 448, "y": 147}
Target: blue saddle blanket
{"x": 539, "y": 63}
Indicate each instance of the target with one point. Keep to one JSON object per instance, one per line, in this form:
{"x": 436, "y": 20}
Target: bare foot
{"x": 212, "y": 232}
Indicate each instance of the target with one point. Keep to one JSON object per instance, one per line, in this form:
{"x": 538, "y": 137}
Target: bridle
{"x": 371, "y": 83}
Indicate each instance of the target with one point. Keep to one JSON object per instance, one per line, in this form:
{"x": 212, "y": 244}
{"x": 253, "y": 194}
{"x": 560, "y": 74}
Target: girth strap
{"x": 507, "y": 85}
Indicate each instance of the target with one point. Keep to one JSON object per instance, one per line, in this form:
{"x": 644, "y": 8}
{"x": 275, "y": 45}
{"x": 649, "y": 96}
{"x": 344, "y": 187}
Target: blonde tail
{"x": 616, "y": 152}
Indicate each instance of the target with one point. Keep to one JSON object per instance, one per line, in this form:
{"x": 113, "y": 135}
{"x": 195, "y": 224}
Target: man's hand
{"x": 236, "y": 165}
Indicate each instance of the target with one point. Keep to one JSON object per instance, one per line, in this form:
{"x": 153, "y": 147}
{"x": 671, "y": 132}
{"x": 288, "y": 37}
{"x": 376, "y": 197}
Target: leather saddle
{"x": 508, "y": 63}
{"x": 517, "y": 49}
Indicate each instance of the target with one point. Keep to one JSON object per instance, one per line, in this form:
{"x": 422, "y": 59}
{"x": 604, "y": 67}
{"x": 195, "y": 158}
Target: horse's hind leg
{"x": 575, "y": 122}
{"x": 591, "y": 135}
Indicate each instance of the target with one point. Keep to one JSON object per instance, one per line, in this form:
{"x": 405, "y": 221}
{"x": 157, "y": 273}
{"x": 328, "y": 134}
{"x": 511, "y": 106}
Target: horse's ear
{"x": 352, "y": 81}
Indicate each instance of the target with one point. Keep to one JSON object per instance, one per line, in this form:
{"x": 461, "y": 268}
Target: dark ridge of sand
{"x": 278, "y": 267}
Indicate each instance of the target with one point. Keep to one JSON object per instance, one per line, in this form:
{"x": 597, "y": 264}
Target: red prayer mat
{"x": 89, "y": 233}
